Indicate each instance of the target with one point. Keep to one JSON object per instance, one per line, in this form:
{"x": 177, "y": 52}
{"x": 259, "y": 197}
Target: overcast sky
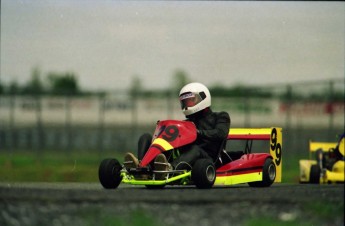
{"x": 106, "y": 43}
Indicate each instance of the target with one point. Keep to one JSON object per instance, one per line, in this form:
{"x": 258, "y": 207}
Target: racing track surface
{"x": 89, "y": 204}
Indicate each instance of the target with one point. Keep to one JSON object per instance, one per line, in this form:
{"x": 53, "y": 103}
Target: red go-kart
{"x": 256, "y": 169}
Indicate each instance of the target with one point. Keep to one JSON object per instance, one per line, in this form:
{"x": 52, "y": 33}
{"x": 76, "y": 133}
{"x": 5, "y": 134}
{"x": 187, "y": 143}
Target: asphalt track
{"x": 90, "y": 204}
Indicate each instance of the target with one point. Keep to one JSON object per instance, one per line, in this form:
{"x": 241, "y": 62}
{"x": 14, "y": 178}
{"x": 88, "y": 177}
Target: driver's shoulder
{"x": 222, "y": 114}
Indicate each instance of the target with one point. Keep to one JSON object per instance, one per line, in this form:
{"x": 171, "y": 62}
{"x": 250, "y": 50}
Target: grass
{"x": 133, "y": 218}
{"x": 51, "y": 166}
{"x": 325, "y": 210}
{"x": 79, "y": 166}
{"x": 315, "y": 213}
{"x": 290, "y": 171}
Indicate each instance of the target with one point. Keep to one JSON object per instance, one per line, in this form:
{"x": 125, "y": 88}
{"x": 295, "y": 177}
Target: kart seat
{"x": 223, "y": 157}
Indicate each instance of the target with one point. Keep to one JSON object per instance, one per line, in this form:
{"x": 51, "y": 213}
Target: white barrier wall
{"x": 25, "y": 111}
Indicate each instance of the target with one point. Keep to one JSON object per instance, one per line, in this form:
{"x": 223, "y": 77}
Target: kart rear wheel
{"x": 204, "y": 173}
{"x": 109, "y": 173}
{"x": 315, "y": 172}
{"x": 268, "y": 175}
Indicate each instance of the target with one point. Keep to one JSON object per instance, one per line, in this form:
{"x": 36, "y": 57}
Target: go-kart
{"x": 325, "y": 163}
{"x": 256, "y": 169}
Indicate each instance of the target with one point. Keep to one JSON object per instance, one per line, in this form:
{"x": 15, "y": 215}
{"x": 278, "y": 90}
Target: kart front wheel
{"x": 315, "y": 173}
{"x": 204, "y": 173}
{"x": 268, "y": 175}
{"x": 109, "y": 173}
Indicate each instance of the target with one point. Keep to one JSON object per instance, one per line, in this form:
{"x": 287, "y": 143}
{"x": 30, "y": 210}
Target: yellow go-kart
{"x": 327, "y": 165}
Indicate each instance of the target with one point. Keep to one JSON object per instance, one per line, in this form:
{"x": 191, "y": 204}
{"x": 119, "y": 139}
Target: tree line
{"x": 66, "y": 83}
{"x": 55, "y": 83}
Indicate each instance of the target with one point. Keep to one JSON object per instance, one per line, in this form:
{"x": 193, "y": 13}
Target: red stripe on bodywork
{"x": 249, "y": 137}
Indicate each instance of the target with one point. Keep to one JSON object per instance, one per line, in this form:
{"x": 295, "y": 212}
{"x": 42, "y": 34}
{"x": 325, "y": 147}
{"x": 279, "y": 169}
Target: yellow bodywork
{"x": 250, "y": 131}
{"x": 327, "y": 176}
{"x": 336, "y": 175}
{"x": 274, "y": 135}
{"x": 163, "y": 143}
{"x": 238, "y": 179}
{"x": 324, "y": 146}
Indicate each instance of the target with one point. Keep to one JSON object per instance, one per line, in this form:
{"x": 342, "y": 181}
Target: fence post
{"x": 68, "y": 116}
{"x": 12, "y": 122}
{"x": 101, "y": 114}
{"x": 288, "y": 107}
{"x": 247, "y": 112}
{"x": 330, "y": 110}
{"x": 170, "y": 104}
{"x": 134, "y": 126}
{"x": 39, "y": 125}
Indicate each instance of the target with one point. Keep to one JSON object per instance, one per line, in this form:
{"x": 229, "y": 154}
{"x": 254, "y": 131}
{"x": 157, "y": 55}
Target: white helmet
{"x": 194, "y": 97}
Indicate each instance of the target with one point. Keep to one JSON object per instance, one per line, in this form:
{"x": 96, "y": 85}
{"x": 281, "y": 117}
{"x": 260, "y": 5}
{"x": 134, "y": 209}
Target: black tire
{"x": 204, "y": 173}
{"x": 144, "y": 143}
{"x": 268, "y": 175}
{"x": 109, "y": 173}
{"x": 314, "y": 175}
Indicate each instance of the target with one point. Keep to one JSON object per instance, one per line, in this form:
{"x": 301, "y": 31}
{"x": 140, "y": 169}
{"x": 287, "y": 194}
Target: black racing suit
{"x": 213, "y": 129}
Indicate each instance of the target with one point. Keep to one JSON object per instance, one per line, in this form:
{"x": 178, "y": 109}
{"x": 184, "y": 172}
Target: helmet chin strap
{"x": 206, "y": 109}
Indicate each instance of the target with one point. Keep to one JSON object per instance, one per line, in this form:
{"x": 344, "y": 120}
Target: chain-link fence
{"x": 115, "y": 121}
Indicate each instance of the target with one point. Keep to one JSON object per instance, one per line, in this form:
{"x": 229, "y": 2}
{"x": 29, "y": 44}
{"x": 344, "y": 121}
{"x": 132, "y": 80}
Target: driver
{"x": 212, "y": 130}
